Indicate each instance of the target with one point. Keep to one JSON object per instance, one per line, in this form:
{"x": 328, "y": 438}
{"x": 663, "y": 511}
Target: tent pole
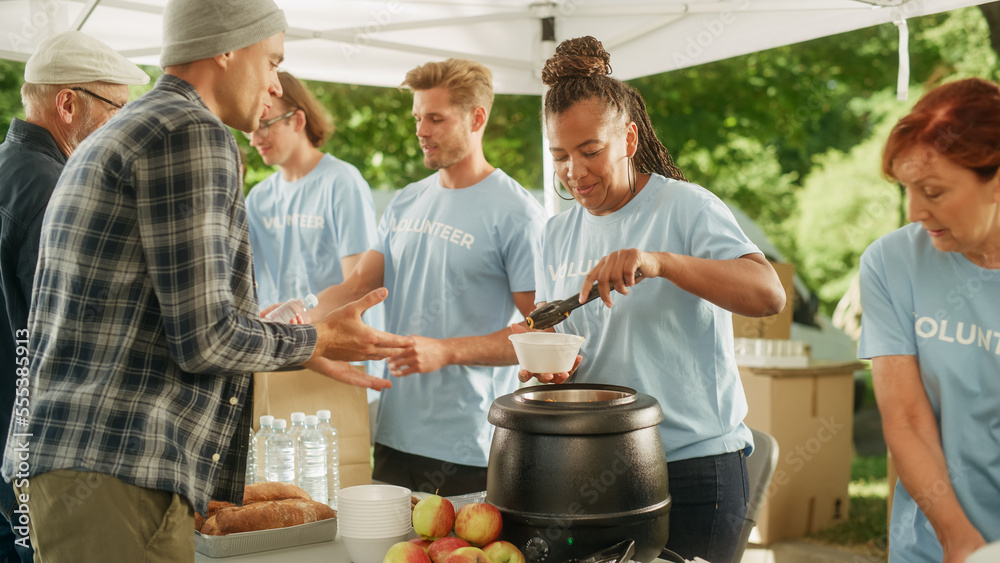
{"x": 84, "y": 15}
{"x": 548, "y": 48}
{"x": 903, "y": 77}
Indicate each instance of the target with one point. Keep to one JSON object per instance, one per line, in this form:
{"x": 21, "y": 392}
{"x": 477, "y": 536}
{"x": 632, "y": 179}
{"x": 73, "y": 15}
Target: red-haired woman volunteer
{"x": 931, "y": 325}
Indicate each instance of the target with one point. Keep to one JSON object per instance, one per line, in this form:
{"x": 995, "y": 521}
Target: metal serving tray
{"x": 265, "y": 540}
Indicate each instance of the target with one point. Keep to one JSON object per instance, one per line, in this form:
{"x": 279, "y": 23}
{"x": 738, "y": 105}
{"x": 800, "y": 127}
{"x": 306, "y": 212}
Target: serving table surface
{"x": 325, "y": 552}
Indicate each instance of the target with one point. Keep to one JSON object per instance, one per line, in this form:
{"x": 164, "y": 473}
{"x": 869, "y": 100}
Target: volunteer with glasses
{"x": 311, "y": 220}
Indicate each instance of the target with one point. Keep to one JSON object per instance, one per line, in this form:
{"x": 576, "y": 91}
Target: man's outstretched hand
{"x": 343, "y": 336}
{"x": 346, "y": 373}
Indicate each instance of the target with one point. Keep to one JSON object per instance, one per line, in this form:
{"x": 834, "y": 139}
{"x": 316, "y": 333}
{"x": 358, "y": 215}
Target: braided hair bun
{"x": 583, "y": 57}
{"x": 579, "y": 71}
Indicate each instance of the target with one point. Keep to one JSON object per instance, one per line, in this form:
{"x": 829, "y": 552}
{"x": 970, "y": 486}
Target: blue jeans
{"x": 709, "y": 497}
{"x": 11, "y": 552}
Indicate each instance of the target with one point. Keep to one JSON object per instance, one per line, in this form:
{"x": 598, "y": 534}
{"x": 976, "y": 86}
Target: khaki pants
{"x": 82, "y": 517}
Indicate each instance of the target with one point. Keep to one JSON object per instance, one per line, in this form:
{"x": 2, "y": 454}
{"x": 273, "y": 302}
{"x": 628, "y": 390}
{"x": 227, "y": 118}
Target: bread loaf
{"x": 210, "y": 528}
{"x": 268, "y": 515}
{"x": 213, "y": 507}
{"x": 259, "y": 492}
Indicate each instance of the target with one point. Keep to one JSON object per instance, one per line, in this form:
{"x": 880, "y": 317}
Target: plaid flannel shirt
{"x": 144, "y": 329}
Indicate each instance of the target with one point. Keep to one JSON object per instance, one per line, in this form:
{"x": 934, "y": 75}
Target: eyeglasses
{"x": 99, "y": 97}
{"x": 264, "y": 129}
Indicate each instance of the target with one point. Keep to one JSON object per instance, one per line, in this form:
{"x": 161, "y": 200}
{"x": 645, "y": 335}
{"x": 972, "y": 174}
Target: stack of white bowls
{"x": 371, "y": 518}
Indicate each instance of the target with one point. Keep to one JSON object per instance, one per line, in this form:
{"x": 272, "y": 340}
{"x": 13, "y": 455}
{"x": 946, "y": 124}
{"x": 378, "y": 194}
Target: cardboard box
{"x": 810, "y": 412}
{"x": 281, "y": 393}
{"x": 776, "y": 326}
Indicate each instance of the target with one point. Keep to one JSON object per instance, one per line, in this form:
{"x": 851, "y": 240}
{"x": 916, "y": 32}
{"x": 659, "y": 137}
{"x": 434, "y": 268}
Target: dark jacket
{"x": 30, "y": 164}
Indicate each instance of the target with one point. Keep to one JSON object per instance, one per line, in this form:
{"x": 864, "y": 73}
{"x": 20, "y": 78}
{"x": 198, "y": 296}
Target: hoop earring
{"x": 555, "y": 185}
{"x": 631, "y": 176}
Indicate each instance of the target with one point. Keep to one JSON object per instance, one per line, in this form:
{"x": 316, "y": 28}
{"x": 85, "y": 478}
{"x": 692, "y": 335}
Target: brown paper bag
{"x": 279, "y": 394}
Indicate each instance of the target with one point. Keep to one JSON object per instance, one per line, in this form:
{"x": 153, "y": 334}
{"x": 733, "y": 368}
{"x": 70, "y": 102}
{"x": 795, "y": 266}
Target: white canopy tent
{"x": 374, "y": 42}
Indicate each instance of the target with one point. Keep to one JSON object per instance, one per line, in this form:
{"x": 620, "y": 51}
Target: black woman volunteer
{"x": 670, "y": 336}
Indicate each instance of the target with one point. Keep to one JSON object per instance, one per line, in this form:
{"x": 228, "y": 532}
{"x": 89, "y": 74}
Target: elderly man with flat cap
{"x": 73, "y": 85}
{"x": 144, "y": 328}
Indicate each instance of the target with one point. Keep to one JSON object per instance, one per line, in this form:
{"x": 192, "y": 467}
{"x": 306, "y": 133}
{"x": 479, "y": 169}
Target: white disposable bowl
{"x": 373, "y": 493}
{"x": 546, "y": 352}
{"x": 376, "y": 513}
{"x": 385, "y": 526}
{"x": 376, "y": 533}
{"x": 376, "y": 516}
{"x": 374, "y": 505}
{"x": 370, "y": 550}
{"x": 986, "y": 554}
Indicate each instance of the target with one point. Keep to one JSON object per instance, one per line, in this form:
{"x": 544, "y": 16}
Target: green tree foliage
{"x": 792, "y": 135}
{"x": 845, "y": 203}
{"x": 11, "y": 78}
{"x": 375, "y": 131}
{"x": 745, "y": 171}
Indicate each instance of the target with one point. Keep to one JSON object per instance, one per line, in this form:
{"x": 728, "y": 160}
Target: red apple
{"x": 421, "y": 543}
{"x": 440, "y": 549}
{"x": 467, "y": 555}
{"x": 433, "y": 517}
{"x": 503, "y": 552}
{"x": 406, "y": 552}
{"x": 478, "y": 523}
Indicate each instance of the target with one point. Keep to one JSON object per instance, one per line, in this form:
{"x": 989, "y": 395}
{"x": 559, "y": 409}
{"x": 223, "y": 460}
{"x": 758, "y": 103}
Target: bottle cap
{"x": 323, "y": 415}
{"x": 266, "y": 420}
{"x": 280, "y": 424}
{"x": 298, "y": 417}
{"x": 311, "y": 420}
{"x": 311, "y": 301}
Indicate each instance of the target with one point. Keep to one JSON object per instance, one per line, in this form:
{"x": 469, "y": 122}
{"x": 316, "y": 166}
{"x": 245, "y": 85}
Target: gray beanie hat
{"x": 201, "y": 29}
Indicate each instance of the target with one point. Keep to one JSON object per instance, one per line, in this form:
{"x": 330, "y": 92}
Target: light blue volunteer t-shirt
{"x": 452, "y": 260}
{"x": 658, "y": 340}
{"x": 945, "y": 310}
{"x": 300, "y": 230}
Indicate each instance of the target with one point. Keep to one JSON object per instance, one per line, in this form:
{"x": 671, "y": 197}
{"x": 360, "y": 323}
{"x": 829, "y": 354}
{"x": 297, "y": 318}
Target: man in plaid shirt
{"x": 144, "y": 332}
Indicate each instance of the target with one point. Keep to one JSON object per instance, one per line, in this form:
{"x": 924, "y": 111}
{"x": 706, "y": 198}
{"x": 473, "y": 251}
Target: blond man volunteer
{"x": 457, "y": 252}
{"x": 145, "y": 325}
{"x": 73, "y": 84}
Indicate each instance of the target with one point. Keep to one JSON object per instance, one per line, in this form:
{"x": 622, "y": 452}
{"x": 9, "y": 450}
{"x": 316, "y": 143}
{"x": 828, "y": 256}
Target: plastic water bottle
{"x": 298, "y": 425}
{"x": 251, "y": 476}
{"x": 312, "y": 460}
{"x": 257, "y": 447}
{"x": 332, "y": 456}
{"x": 279, "y": 453}
{"x": 287, "y": 310}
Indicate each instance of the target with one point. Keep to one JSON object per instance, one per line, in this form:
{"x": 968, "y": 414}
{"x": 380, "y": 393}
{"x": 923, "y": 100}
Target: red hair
{"x": 960, "y": 120}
